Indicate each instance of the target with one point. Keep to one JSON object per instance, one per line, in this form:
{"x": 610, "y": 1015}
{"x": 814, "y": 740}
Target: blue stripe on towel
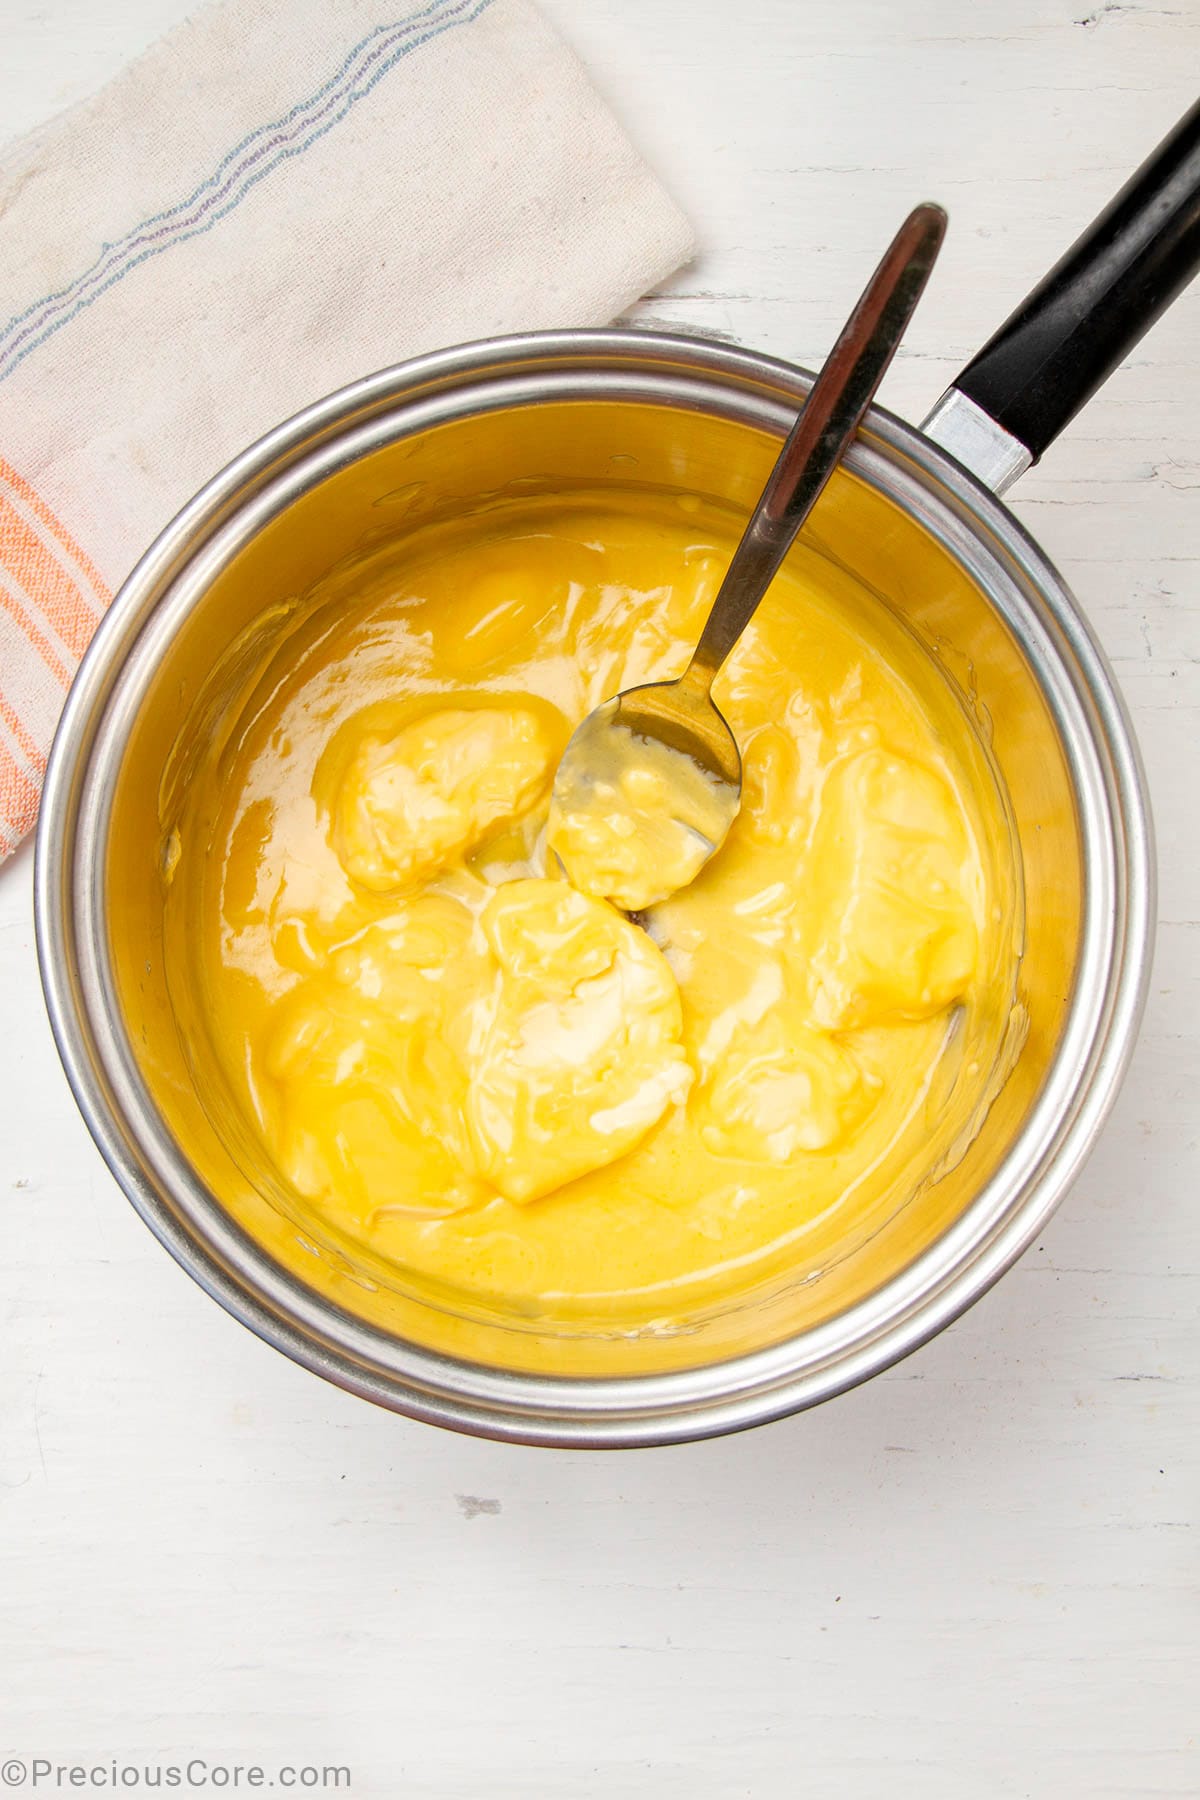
{"x": 260, "y": 153}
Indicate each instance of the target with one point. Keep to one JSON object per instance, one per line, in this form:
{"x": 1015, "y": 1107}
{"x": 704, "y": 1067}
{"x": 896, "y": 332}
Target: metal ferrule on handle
{"x": 1049, "y": 357}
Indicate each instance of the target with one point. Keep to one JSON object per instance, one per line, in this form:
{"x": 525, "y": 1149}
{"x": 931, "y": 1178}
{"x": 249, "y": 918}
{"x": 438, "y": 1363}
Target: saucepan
{"x": 914, "y": 516}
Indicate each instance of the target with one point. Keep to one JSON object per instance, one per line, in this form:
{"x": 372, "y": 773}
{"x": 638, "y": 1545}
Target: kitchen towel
{"x": 280, "y": 196}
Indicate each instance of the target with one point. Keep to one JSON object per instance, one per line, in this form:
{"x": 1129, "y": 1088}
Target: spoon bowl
{"x": 683, "y": 715}
{"x": 645, "y": 793}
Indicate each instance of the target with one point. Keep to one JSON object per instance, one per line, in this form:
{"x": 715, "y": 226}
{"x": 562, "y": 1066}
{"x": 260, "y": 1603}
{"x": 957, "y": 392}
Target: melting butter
{"x": 582, "y": 1052}
{"x": 498, "y": 1081}
{"x": 413, "y": 801}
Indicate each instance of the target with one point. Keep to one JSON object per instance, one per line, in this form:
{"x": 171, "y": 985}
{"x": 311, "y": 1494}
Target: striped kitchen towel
{"x": 280, "y": 196}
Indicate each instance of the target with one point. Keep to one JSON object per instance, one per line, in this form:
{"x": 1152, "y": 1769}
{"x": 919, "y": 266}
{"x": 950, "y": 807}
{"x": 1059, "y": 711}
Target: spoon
{"x": 651, "y": 781}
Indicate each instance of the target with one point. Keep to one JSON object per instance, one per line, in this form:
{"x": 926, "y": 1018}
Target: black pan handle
{"x": 1089, "y": 312}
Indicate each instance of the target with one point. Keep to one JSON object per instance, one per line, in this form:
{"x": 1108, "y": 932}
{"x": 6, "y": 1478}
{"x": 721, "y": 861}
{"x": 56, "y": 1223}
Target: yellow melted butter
{"x": 504, "y": 1085}
{"x": 631, "y": 819}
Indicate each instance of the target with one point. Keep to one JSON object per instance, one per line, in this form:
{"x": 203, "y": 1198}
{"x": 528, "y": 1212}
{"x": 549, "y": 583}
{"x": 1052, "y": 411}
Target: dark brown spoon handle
{"x": 818, "y": 440}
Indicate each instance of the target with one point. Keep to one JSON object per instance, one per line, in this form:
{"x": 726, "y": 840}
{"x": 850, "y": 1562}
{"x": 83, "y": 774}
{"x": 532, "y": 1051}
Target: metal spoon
{"x": 652, "y": 780}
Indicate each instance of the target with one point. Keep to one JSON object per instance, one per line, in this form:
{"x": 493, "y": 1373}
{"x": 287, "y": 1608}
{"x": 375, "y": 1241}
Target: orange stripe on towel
{"x": 58, "y": 532}
{"x": 19, "y": 797}
{"x": 65, "y": 604}
{"x": 29, "y": 625}
{"x": 21, "y": 737}
{"x": 53, "y": 597}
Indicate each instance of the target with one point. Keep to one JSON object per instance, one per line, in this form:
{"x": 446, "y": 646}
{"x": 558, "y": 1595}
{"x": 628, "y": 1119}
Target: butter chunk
{"x": 582, "y": 1055}
{"x": 784, "y": 1088}
{"x": 363, "y": 1072}
{"x": 894, "y": 881}
{"x": 413, "y": 801}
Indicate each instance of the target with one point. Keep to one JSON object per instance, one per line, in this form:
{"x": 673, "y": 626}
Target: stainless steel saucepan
{"x": 915, "y": 518}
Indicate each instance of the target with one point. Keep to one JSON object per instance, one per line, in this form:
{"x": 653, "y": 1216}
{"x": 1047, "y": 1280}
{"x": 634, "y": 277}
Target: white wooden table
{"x": 976, "y": 1576}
